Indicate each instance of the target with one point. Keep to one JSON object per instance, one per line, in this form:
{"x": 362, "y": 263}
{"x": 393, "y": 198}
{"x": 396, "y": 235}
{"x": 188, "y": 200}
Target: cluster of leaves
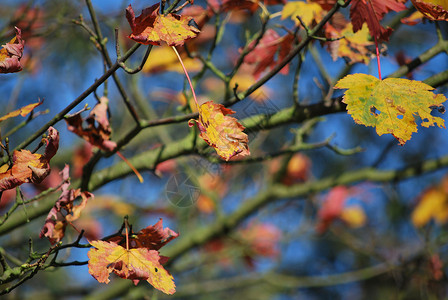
{"x": 390, "y": 105}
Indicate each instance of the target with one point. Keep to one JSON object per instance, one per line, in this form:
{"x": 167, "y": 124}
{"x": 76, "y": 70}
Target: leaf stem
{"x": 378, "y": 58}
{"x": 188, "y": 77}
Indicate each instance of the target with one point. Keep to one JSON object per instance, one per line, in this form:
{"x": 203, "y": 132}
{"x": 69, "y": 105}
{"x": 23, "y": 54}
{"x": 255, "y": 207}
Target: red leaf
{"x": 263, "y": 55}
{"x": 326, "y": 4}
{"x": 250, "y": 5}
{"x": 152, "y": 237}
{"x": 372, "y": 12}
{"x": 433, "y": 10}
{"x": 11, "y": 53}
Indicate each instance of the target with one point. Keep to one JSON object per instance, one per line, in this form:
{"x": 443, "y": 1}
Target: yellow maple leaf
{"x": 135, "y": 264}
{"x": 308, "y": 12}
{"x": 220, "y": 131}
{"x": 353, "y": 46}
{"x": 391, "y": 104}
{"x": 432, "y": 205}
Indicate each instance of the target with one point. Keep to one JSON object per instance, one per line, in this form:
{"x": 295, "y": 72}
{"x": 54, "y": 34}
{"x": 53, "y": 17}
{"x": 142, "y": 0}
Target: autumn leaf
{"x": 152, "y": 28}
{"x": 250, "y": 5}
{"x": 98, "y": 129}
{"x": 11, "y": 53}
{"x": 353, "y": 46}
{"x": 220, "y": 131}
{"x": 372, "y": 12}
{"x": 309, "y": 12}
{"x": 413, "y": 19}
{"x": 326, "y": 4}
{"x": 30, "y": 167}
{"x": 263, "y": 55}
{"x": 64, "y": 211}
{"x": 436, "y": 10}
{"x": 165, "y": 59}
{"x": 390, "y": 105}
{"x": 152, "y": 237}
{"x": 140, "y": 259}
{"x": 23, "y": 111}
{"x": 432, "y": 205}
{"x": 135, "y": 264}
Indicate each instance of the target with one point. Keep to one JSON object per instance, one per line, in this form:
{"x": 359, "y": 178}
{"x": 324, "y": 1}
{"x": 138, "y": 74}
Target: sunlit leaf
{"x": 390, "y": 105}
{"x": 309, "y": 12}
{"x": 23, "y": 111}
{"x": 152, "y": 28}
{"x": 135, "y": 264}
{"x": 220, "y": 131}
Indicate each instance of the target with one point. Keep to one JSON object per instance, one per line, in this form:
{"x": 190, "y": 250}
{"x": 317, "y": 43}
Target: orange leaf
{"x": 152, "y": 28}
{"x": 30, "y": 167}
{"x": 135, "y": 264}
{"x": 23, "y": 111}
{"x": 221, "y": 132}
{"x": 436, "y": 10}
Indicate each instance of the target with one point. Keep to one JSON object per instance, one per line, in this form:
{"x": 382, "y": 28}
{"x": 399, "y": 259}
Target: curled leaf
{"x": 98, "y": 129}
{"x": 30, "y": 167}
{"x": 11, "y": 53}
{"x": 152, "y": 28}
{"x": 23, "y": 111}
{"x": 436, "y": 10}
{"x": 64, "y": 210}
{"x": 220, "y": 131}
